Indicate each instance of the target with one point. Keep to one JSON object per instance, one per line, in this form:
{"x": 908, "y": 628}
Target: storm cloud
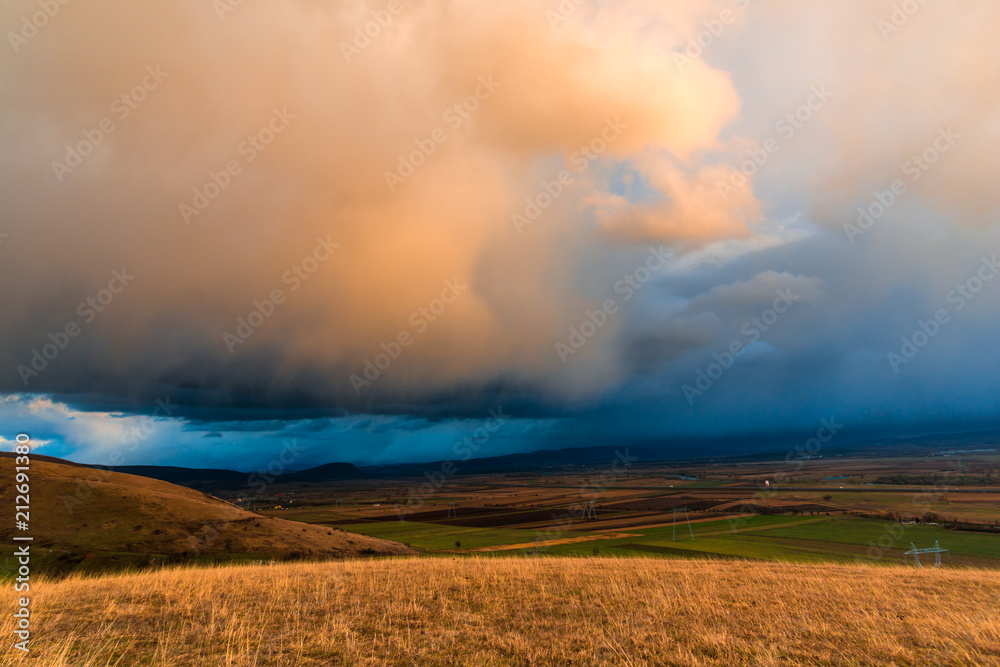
{"x": 342, "y": 211}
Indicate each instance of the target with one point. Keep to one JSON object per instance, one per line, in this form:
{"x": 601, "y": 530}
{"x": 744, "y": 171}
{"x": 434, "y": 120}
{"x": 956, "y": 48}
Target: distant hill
{"x": 231, "y": 480}
{"x": 547, "y": 458}
{"x": 196, "y": 478}
{"x": 80, "y": 514}
{"x": 760, "y": 448}
{"x": 331, "y": 472}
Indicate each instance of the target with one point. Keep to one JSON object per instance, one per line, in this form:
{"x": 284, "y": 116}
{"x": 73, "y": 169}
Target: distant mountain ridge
{"x": 545, "y": 458}
{"x": 210, "y": 479}
{"x": 777, "y": 446}
{"x": 214, "y": 479}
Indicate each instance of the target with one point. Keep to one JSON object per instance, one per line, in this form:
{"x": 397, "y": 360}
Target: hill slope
{"x": 521, "y": 611}
{"x": 81, "y": 513}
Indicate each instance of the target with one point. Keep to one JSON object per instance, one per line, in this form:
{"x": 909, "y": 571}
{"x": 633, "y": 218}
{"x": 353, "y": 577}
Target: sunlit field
{"x": 520, "y": 611}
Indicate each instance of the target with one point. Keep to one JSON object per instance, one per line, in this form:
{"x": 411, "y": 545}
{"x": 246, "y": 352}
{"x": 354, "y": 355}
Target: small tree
{"x": 458, "y": 545}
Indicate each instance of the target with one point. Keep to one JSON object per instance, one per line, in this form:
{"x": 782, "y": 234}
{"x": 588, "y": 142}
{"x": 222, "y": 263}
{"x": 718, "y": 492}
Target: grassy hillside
{"x": 93, "y": 519}
{"x": 520, "y": 611}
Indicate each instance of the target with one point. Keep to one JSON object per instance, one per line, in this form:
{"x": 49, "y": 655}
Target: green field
{"x": 432, "y": 536}
{"x": 775, "y": 538}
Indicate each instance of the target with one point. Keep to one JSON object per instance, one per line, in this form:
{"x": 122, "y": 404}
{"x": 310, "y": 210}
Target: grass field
{"x": 806, "y": 583}
{"x": 432, "y": 536}
{"x": 98, "y": 521}
{"x": 762, "y": 537}
{"x": 494, "y": 612}
{"x": 817, "y": 510}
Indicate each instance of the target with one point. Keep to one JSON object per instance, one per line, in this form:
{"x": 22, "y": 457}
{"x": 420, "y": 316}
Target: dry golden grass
{"x": 518, "y": 611}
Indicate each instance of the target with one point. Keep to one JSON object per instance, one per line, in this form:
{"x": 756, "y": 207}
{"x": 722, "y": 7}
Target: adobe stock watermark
{"x": 712, "y": 30}
{"x": 894, "y": 531}
{"x": 786, "y": 127}
{"x": 223, "y": 7}
{"x": 58, "y": 341}
{"x": 366, "y": 33}
{"x": 580, "y": 160}
{"x": 562, "y": 13}
{"x": 463, "y": 450}
{"x": 455, "y": 117}
{"x": 294, "y": 277}
{"x": 22, "y": 520}
{"x": 627, "y": 287}
{"x": 900, "y": 16}
{"x": 260, "y": 479}
{"x": 421, "y": 320}
{"x": 914, "y": 168}
{"x": 590, "y": 491}
{"x": 130, "y": 439}
{"x": 958, "y": 299}
{"x": 752, "y": 330}
{"x": 249, "y": 149}
{"x": 31, "y": 25}
{"x": 121, "y": 108}
{"x": 810, "y": 449}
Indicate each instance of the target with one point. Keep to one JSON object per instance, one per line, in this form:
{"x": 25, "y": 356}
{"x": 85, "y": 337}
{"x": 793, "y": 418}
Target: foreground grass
{"x": 518, "y": 611}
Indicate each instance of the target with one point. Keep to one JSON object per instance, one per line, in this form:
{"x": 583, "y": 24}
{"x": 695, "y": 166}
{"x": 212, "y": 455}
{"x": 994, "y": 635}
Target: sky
{"x": 379, "y": 229}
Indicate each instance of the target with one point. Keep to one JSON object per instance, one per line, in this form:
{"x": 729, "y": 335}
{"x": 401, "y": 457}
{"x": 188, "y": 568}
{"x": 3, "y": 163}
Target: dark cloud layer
{"x": 232, "y": 244}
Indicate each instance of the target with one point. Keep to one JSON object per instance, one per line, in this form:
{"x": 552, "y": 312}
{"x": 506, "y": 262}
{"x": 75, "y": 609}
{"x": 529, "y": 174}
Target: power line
{"x": 685, "y": 510}
{"x": 936, "y": 550}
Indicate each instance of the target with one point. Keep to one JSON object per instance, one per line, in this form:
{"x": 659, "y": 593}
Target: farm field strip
{"x": 730, "y": 518}
{"x": 851, "y": 530}
{"x": 747, "y": 529}
{"x": 760, "y": 537}
{"x": 629, "y": 523}
{"x": 437, "y": 537}
{"x": 559, "y": 541}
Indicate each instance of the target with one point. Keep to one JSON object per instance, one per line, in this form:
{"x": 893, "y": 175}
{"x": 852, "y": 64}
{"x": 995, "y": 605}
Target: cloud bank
{"x": 320, "y": 209}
